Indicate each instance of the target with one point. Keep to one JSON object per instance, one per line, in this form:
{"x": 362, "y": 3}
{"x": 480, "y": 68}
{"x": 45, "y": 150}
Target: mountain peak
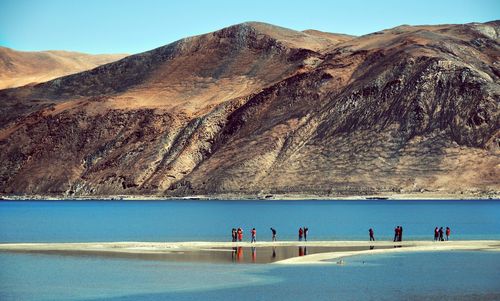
{"x": 284, "y": 36}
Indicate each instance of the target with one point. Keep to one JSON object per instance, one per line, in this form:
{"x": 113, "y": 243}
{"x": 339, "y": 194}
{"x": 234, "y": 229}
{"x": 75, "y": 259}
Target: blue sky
{"x": 125, "y": 26}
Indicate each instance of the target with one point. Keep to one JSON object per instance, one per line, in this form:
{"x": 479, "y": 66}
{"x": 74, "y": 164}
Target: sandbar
{"x": 289, "y": 252}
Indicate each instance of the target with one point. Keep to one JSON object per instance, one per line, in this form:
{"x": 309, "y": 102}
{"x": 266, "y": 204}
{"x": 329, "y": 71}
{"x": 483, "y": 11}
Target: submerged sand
{"x": 285, "y": 252}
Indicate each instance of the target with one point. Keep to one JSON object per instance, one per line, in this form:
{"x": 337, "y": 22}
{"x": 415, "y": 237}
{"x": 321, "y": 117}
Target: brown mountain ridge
{"x": 256, "y": 109}
{"x": 19, "y": 68}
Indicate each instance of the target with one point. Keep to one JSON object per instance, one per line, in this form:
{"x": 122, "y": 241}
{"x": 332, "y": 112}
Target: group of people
{"x": 303, "y": 233}
{"x": 237, "y": 234}
{"x": 398, "y": 234}
{"x": 439, "y": 234}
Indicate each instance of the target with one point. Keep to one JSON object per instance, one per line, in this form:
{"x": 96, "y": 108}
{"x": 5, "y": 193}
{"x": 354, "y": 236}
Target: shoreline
{"x": 164, "y": 248}
{"x": 264, "y": 197}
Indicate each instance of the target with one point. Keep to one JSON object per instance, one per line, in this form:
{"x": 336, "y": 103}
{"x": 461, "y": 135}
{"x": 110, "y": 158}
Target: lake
{"x": 447, "y": 275}
{"x": 414, "y": 276}
{"x": 90, "y": 221}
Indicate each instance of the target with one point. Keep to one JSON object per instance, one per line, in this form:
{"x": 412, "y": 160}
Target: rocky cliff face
{"x": 258, "y": 109}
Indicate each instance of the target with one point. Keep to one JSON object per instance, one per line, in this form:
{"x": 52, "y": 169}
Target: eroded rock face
{"x": 258, "y": 109}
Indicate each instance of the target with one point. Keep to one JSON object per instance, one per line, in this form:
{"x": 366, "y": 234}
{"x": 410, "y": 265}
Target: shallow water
{"x": 413, "y": 276}
{"x": 74, "y": 221}
{"x": 211, "y": 255}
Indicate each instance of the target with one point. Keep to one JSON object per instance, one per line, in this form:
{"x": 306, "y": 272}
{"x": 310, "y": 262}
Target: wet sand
{"x": 420, "y": 246}
{"x": 286, "y": 252}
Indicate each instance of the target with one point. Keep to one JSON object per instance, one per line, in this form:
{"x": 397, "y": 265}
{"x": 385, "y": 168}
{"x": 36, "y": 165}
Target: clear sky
{"x": 128, "y": 26}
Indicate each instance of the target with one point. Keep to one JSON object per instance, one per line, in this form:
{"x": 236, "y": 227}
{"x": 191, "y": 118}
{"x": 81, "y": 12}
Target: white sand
{"x": 321, "y": 258}
{"x": 418, "y": 246}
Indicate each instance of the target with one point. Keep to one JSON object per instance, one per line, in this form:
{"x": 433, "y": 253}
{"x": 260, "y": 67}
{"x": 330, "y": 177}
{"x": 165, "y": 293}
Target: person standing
{"x": 436, "y": 233}
{"x": 254, "y": 234}
{"x": 305, "y": 233}
{"x": 372, "y": 238}
{"x": 301, "y": 233}
{"x": 274, "y": 233}
{"x": 240, "y": 234}
{"x": 448, "y": 232}
{"x": 441, "y": 234}
{"x": 396, "y": 233}
{"x": 400, "y": 238}
{"x": 233, "y": 234}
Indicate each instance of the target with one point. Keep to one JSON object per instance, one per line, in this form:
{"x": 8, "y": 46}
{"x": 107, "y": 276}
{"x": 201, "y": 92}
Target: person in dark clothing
{"x": 305, "y": 233}
{"x": 254, "y": 235}
{"x": 301, "y": 233}
{"x": 436, "y": 233}
{"x": 372, "y": 238}
{"x": 274, "y": 233}
{"x": 233, "y": 234}
{"x": 448, "y": 232}
{"x": 400, "y": 236}
{"x": 396, "y": 233}
{"x": 441, "y": 232}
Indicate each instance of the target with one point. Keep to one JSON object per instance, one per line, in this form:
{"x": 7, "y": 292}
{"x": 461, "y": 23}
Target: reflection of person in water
{"x": 239, "y": 254}
{"x": 305, "y": 251}
{"x": 254, "y": 254}
{"x": 301, "y": 251}
{"x": 274, "y": 253}
{"x": 233, "y": 254}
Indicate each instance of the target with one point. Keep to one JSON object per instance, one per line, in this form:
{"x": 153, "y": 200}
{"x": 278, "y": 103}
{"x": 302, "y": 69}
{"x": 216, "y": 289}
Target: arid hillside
{"x": 19, "y": 68}
{"x": 256, "y": 109}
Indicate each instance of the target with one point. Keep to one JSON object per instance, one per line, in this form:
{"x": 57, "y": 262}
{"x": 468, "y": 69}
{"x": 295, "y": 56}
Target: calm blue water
{"x": 414, "y": 276}
{"x": 73, "y": 221}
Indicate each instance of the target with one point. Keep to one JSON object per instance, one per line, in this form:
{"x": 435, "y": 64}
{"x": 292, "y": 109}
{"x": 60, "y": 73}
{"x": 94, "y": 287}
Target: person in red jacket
{"x": 254, "y": 234}
{"x": 240, "y": 234}
{"x": 301, "y": 233}
{"x": 448, "y": 232}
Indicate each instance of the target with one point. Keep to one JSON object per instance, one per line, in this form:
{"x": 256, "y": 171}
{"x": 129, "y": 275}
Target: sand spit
{"x": 158, "y": 248}
{"x": 417, "y": 246}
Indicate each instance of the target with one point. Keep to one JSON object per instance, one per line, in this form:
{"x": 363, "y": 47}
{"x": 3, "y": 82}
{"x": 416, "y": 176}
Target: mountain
{"x": 257, "y": 109}
{"x": 19, "y": 68}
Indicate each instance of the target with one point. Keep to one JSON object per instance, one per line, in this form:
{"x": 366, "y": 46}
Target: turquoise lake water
{"x": 73, "y": 221}
{"x": 470, "y": 275}
{"x": 413, "y": 276}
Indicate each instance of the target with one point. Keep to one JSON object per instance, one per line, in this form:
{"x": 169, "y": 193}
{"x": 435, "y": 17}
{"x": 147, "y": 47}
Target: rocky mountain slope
{"x": 19, "y": 68}
{"x": 256, "y": 109}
